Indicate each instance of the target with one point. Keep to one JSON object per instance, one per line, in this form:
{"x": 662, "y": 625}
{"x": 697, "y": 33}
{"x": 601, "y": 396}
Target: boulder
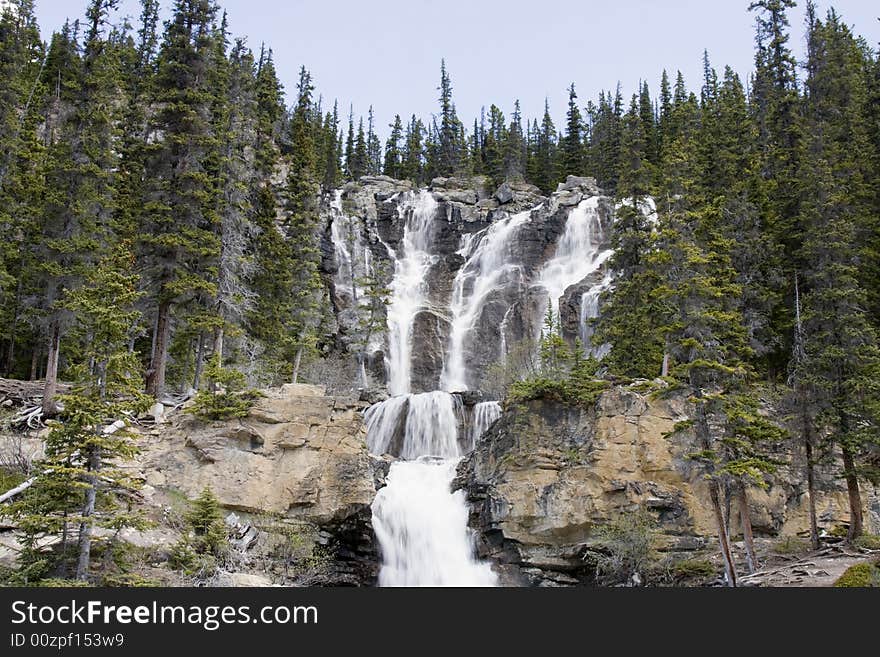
{"x": 504, "y": 194}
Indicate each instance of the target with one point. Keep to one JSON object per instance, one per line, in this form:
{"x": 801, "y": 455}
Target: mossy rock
{"x": 861, "y": 575}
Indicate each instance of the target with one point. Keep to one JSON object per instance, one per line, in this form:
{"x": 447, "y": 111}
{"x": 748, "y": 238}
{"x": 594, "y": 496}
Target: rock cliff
{"x": 299, "y": 456}
{"x": 546, "y": 474}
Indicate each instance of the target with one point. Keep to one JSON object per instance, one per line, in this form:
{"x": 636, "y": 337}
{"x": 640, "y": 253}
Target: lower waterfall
{"x": 422, "y": 528}
{"x": 420, "y": 523}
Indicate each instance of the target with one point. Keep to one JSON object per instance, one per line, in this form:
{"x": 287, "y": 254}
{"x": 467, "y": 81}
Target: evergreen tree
{"x": 393, "y": 165}
{"x": 450, "y": 148}
{"x": 179, "y": 246}
{"x": 571, "y": 147}
{"x": 841, "y": 355}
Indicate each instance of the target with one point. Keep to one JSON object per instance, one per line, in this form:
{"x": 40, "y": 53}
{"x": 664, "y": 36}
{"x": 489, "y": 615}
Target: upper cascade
{"x": 469, "y": 272}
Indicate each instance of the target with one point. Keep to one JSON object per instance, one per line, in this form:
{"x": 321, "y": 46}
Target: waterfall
{"x": 487, "y": 268}
{"x": 422, "y": 528}
{"x": 408, "y": 287}
{"x": 578, "y": 253}
{"x": 420, "y": 523}
{"x": 485, "y": 414}
{"x": 590, "y": 310}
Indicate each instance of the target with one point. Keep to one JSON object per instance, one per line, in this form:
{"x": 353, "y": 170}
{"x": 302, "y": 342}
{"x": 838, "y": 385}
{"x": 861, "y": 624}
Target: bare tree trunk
{"x": 701, "y": 426}
{"x": 10, "y": 353}
{"x": 724, "y": 542}
{"x": 200, "y": 356}
{"x": 159, "y": 361}
{"x": 218, "y": 344}
{"x": 811, "y": 491}
{"x": 745, "y": 519}
{"x": 49, "y": 390}
{"x": 296, "y": 363}
{"x": 35, "y": 360}
{"x": 855, "y": 497}
{"x": 85, "y": 527}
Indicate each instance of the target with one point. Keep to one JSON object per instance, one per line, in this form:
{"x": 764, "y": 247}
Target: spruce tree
{"x": 178, "y": 241}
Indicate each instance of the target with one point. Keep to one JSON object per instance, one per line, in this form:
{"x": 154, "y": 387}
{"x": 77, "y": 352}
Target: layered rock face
{"x": 367, "y": 227}
{"x": 299, "y": 455}
{"x": 545, "y": 475}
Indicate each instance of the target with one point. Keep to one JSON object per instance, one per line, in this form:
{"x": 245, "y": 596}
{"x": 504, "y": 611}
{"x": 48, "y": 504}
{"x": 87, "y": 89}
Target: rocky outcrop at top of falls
{"x": 371, "y": 231}
{"x": 546, "y": 475}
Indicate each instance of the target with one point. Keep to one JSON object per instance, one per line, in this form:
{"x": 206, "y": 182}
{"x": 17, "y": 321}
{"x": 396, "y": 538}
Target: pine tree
{"x": 450, "y": 148}
{"x": 514, "y": 147}
{"x": 571, "y": 147}
{"x": 85, "y": 448}
{"x": 841, "y": 355}
{"x": 393, "y": 165}
{"x": 179, "y": 245}
{"x": 79, "y": 185}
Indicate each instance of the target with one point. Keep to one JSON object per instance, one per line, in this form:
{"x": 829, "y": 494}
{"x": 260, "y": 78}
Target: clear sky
{"x": 387, "y": 52}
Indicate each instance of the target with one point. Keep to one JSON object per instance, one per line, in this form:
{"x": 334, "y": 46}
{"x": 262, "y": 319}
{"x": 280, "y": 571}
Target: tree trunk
{"x": 218, "y": 344}
{"x": 50, "y": 408}
{"x": 811, "y": 492}
{"x": 156, "y": 375}
{"x": 296, "y": 363}
{"x": 745, "y": 519}
{"x": 200, "y": 357}
{"x": 855, "y": 497}
{"x": 10, "y": 353}
{"x": 724, "y": 543}
{"x": 35, "y": 359}
{"x": 85, "y": 527}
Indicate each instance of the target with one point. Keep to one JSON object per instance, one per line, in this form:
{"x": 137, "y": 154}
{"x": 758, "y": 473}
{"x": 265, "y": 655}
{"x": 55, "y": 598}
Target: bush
{"x": 205, "y": 540}
{"x": 206, "y": 521}
{"x": 861, "y": 575}
{"x": 791, "y": 545}
{"x": 627, "y": 543}
{"x": 226, "y": 396}
{"x": 868, "y": 542}
{"x": 694, "y": 569}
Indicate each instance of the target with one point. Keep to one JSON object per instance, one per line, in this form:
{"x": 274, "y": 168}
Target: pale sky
{"x": 387, "y": 52}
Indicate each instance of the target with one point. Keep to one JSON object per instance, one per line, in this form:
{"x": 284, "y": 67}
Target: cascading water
{"x": 408, "y": 287}
{"x": 488, "y": 268}
{"x": 420, "y": 523}
{"x": 578, "y": 255}
{"x": 422, "y": 528}
{"x": 589, "y": 311}
{"x": 485, "y": 414}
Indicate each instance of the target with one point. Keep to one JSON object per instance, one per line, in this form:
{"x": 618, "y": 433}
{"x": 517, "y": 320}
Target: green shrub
{"x": 861, "y": 575}
{"x": 868, "y": 542}
{"x": 627, "y": 543}
{"x": 226, "y": 396}
{"x": 129, "y": 580}
{"x": 791, "y": 545}
{"x": 206, "y": 521}
{"x": 693, "y": 569}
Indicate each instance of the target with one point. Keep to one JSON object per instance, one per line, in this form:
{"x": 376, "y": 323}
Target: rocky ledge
{"x": 300, "y": 456}
{"x": 546, "y": 475}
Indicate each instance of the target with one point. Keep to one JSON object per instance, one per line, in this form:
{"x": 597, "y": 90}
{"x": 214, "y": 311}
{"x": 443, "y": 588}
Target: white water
{"x": 589, "y": 311}
{"x": 421, "y": 525}
{"x": 422, "y": 528}
{"x": 408, "y": 287}
{"x": 578, "y": 253}
{"x": 488, "y": 268}
{"x": 485, "y": 414}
